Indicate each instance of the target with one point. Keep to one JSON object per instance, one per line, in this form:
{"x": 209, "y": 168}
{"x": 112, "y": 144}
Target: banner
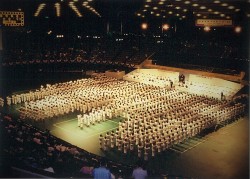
{"x": 213, "y": 22}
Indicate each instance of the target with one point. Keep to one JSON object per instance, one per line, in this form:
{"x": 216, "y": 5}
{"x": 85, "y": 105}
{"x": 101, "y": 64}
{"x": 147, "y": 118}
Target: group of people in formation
{"x": 155, "y": 118}
{"x": 152, "y": 79}
{"x": 63, "y": 98}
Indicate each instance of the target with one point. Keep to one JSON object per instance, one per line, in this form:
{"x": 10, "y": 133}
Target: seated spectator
{"x": 139, "y": 172}
{"x": 102, "y": 172}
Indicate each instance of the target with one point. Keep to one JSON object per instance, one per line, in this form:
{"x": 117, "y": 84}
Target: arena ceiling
{"x": 223, "y": 9}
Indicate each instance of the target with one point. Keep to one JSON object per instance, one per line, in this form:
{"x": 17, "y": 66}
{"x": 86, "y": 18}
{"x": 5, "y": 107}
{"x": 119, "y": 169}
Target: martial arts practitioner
{"x": 79, "y": 116}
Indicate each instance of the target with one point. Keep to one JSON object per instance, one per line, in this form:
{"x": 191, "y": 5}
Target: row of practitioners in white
{"x": 56, "y": 88}
{"x": 120, "y": 106}
{"x": 152, "y": 79}
{"x": 95, "y": 116}
{"x": 171, "y": 80}
{"x": 153, "y": 131}
{"x": 1, "y": 102}
{"x": 74, "y": 97}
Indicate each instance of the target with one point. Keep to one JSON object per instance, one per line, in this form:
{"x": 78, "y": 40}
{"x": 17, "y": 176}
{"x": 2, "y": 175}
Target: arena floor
{"x": 220, "y": 154}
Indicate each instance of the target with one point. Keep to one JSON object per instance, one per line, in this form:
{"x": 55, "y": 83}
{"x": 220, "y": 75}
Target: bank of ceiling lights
{"x": 75, "y": 5}
{"x": 179, "y": 8}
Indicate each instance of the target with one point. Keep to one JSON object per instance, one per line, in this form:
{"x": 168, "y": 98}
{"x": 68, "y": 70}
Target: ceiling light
{"x": 230, "y": 7}
{"x": 187, "y": 2}
{"x": 224, "y": 4}
{"x": 203, "y": 7}
{"x": 184, "y": 10}
{"x": 216, "y": 2}
{"x": 195, "y": 5}
{"x": 177, "y": 7}
{"x": 170, "y": 12}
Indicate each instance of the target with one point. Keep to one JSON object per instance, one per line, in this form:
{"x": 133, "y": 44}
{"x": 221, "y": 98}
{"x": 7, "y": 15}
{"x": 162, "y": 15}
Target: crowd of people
{"x": 27, "y": 147}
{"x": 155, "y": 117}
{"x": 161, "y": 80}
{"x": 158, "y": 119}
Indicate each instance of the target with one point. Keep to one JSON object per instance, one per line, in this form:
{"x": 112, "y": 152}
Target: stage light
{"x": 144, "y": 26}
{"x": 49, "y": 32}
{"x": 238, "y": 29}
{"x": 207, "y": 29}
{"x": 165, "y": 27}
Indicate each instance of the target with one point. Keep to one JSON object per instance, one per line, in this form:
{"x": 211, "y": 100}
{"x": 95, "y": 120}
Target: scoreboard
{"x": 11, "y": 18}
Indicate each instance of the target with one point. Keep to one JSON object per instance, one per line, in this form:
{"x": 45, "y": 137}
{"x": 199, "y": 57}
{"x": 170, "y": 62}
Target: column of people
{"x": 154, "y": 127}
